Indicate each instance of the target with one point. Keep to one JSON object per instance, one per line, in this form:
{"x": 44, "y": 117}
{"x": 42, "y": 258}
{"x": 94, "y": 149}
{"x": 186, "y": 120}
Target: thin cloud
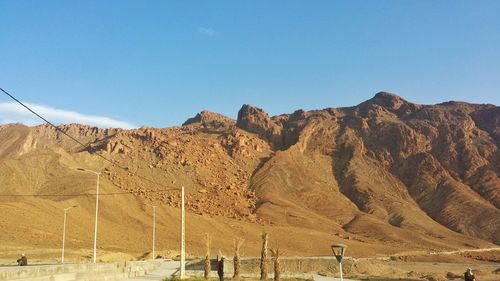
{"x": 11, "y": 112}
{"x": 208, "y": 31}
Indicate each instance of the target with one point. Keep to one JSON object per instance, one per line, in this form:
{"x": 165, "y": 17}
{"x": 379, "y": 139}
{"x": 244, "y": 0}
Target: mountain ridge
{"x": 384, "y": 171}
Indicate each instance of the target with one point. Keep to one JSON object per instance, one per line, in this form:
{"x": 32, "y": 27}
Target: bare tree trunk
{"x": 208, "y": 242}
{"x": 238, "y": 241}
{"x": 277, "y": 269}
{"x": 263, "y": 257}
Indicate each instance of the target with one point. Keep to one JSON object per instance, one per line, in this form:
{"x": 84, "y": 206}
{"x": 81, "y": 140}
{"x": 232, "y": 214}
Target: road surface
{"x": 170, "y": 268}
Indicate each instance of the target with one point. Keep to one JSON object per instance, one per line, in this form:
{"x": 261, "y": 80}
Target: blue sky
{"x": 157, "y": 63}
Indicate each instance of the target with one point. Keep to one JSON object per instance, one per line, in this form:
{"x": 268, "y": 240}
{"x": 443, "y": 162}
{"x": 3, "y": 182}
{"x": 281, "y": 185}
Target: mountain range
{"x": 384, "y": 176}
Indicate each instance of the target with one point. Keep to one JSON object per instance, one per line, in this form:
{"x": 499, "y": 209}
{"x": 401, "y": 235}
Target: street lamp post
{"x": 96, "y": 208}
{"x": 183, "y": 236}
{"x": 64, "y": 233}
{"x": 154, "y": 228}
{"x": 338, "y": 252}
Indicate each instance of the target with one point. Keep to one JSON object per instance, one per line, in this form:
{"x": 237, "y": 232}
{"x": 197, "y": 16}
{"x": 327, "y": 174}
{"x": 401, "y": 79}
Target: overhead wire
{"x": 86, "y": 146}
{"x": 83, "y": 194}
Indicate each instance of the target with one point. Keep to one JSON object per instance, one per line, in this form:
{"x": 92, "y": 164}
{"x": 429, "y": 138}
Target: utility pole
{"x": 64, "y": 233}
{"x": 154, "y": 228}
{"x": 183, "y": 236}
{"x": 96, "y": 213}
{"x": 96, "y": 209}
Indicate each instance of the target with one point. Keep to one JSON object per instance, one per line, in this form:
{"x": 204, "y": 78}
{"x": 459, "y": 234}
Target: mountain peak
{"x": 383, "y": 94}
{"x": 206, "y": 117}
{"x": 256, "y": 120}
{"x": 247, "y": 109}
{"x": 391, "y": 102}
{"x": 249, "y": 115}
{"x": 388, "y": 99}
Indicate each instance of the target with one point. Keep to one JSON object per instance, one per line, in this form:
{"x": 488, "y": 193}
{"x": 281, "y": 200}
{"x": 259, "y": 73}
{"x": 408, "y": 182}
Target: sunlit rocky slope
{"x": 384, "y": 176}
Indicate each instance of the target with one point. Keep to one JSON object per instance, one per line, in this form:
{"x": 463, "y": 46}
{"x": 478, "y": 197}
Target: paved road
{"x": 170, "y": 268}
{"x": 317, "y": 277}
{"x": 466, "y": 250}
{"x": 167, "y": 269}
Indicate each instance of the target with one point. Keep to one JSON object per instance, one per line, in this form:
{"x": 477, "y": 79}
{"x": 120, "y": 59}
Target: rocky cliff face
{"x": 210, "y": 119}
{"x": 386, "y": 170}
{"x": 441, "y": 159}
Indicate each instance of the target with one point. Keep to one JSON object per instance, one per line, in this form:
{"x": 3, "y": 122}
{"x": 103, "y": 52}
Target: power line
{"x": 86, "y": 147}
{"x": 85, "y": 194}
{"x": 47, "y": 121}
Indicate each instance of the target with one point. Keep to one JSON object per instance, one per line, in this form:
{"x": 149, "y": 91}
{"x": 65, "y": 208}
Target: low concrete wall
{"x": 250, "y": 266}
{"x": 85, "y": 272}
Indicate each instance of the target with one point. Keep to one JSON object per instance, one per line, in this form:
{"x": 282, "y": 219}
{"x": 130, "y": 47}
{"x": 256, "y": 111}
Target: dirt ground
{"x": 435, "y": 266}
{"x": 418, "y": 266}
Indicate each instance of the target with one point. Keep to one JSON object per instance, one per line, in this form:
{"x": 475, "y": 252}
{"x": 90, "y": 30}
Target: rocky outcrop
{"x": 207, "y": 118}
{"x": 392, "y": 103}
{"x": 488, "y": 120}
{"x": 281, "y": 131}
{"x": 255, "y": 120}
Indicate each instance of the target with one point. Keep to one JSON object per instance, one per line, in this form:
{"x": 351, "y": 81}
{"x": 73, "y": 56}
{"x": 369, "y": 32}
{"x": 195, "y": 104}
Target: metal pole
{"x": 341, "y": 278}
{"x": 96, "y": 213}
{"x": 96, "y": 208}
{"x": 154, "y": 230}
{"x": 64, "y": 236}
{"x": 183, "y": 236}
{"x": 64, "y": 233}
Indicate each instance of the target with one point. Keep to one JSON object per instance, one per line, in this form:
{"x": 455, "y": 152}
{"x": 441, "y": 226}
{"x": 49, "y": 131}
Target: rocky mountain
{"x": 384, "y": 175}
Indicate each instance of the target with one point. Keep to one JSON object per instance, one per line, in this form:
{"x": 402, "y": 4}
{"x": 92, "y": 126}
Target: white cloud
{"x": 208, "y": 31}
{"x": 11, "y": 112}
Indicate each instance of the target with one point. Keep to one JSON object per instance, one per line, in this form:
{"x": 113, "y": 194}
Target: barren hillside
{"x": 384, "y": 176}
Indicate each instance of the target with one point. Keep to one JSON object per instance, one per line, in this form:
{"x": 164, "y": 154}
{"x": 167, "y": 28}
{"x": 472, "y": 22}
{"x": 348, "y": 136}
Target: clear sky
{"x": 157, "y": 63}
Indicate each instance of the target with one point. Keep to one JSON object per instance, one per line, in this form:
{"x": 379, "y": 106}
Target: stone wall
{"x": 84, "y": 272}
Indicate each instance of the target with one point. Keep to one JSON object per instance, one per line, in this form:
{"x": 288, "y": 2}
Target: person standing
{"x": 220, "y": 268}
{"x": 469, "y": 276}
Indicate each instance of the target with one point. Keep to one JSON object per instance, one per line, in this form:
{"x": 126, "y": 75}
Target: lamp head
{"x": 338, "y": 251}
